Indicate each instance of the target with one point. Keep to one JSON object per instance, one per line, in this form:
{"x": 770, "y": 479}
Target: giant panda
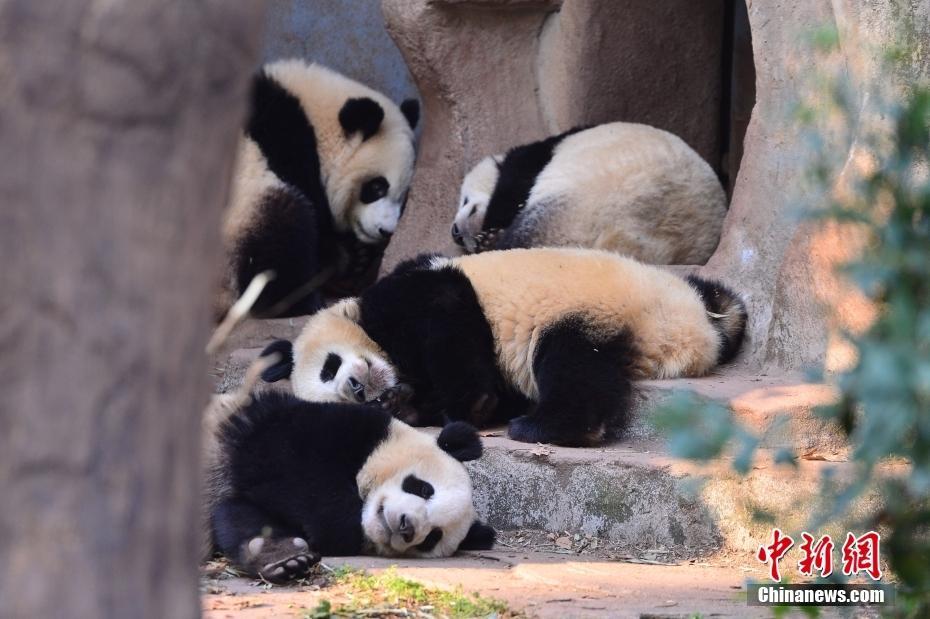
{"x": 287, "y": 481}
{"x": 623, "y": 187}
{"x": 547, "y": 338}
{"x": 321, "y": 175}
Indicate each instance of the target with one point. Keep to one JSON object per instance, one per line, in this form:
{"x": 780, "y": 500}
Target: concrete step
{"x": 633, "y": 499}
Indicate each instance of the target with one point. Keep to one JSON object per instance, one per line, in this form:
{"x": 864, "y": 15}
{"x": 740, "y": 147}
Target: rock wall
{"x": 494, "y": 73}
{"x": 346, "y": 36}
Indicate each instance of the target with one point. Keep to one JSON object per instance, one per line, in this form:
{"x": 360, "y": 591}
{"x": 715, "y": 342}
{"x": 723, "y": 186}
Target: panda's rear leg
{"x": 258, "y": 545}
{"x": 584, "y": 383}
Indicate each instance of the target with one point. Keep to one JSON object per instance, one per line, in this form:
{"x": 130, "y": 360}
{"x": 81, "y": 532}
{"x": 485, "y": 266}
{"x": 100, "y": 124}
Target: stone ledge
{"x": 779, "y": 407}
{"x": 635, "y": 497}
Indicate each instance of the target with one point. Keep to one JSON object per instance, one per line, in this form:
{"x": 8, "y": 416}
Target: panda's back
{"x": 627, "y": 188}
{"x": 525, "y": 291}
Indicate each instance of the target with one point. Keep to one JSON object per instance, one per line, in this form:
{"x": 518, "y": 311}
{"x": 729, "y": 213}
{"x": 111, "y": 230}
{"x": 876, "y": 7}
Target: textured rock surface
{"x": 494, "y": 73}
{"x": 636, "y": 498}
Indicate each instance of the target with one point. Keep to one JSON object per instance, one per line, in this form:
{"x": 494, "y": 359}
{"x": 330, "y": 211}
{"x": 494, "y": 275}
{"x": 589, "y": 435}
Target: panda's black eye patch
{"x": 374, "y": 190}
{"x": 330, "y": 367}
{"x": 431, "y": 540}
{"x": 416, "y": 486}
{"x": 474, "y": 210}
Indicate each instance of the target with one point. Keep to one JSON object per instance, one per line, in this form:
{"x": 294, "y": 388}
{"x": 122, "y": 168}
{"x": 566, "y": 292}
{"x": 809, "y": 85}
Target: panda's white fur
{"x": 477, "y": 187}
{"x": 670, "y": 325}
{"x": 622, "y": 187}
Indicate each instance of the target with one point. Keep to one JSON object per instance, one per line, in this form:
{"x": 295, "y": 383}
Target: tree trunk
{"x": 118, "y": 123}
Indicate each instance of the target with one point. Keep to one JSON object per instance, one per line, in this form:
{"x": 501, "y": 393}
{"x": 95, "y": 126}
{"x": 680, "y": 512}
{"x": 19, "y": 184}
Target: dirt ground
{"x": 537, "y": 584}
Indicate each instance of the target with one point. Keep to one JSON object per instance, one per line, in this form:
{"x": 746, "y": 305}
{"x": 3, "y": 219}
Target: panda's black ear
{"x": 479, "y": 537}
{"x": 411, "y": 110}
{"x": 285, "y": 364}
{"x": 363, "y": 115}
{"x": 460, "y": 440}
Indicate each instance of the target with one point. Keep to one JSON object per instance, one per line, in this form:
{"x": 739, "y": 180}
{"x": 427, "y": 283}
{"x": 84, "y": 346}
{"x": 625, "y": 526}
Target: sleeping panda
{"x": 335, "y": 361}
{"x": 287, "y": 481}
{"x": 623, "y": 187}
{"x": 549, "y": 338}
{"x": 321, "y": 175}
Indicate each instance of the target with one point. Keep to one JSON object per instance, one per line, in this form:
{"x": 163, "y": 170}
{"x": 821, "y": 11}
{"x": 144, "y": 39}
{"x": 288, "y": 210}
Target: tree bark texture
{"x": 118, "y": 123}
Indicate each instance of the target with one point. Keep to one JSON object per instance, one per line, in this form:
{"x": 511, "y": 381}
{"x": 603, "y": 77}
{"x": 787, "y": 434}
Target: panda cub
{"x": 287, "y": 481}
{"x": 622, "y": 187}
{"x": 548, "y": 338}
{"x": 322, "y": 171}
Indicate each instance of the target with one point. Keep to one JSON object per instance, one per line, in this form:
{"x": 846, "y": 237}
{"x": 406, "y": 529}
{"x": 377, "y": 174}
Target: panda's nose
{"x": 457, "y": 235}
{"x": 386, "y": 234}
{"x": 405, "y": 528}
{"x": 357, "y": 388}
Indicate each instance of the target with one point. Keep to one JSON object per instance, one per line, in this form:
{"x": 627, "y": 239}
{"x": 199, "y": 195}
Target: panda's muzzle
{"x": 405, "y": 528}
{"x": 457, "y": 236}
{"x": 358, "y": 389}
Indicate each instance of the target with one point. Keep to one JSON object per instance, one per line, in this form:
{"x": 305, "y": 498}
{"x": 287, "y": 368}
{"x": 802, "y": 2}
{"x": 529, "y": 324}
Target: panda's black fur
{"x": 444, "y": 346}
{"x": 285, "y": 471}
{"x": 294, "y": 234}
{"x": 441, "y": 342}
{"x": 517, "y": 175}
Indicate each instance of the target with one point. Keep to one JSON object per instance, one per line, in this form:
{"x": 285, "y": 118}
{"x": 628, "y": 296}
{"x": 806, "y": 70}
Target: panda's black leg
{"x": 584, "y": 383}
{"x": 259, "y": 545}
{"x": 462, "y": 369}
{"x": 285, "y": 240}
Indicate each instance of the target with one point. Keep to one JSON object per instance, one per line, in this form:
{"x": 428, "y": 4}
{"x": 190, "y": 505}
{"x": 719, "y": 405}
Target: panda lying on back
{"x": 287, "y": 481}
{"x": 550, "y": 339}
{"x": 624, "y": 187}
{"x": 321, "y": 175}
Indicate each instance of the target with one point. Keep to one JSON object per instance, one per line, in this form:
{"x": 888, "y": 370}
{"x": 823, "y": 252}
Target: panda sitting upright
{"x": 321, "y": 175}
{"x": 287, "y": 481}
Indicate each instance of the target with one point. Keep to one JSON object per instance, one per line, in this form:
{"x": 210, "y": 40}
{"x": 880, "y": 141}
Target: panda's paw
{"x": 395, "y": 401}
{"x": 281, "y": 560}
{"x": 486, "y": 240}
{"x": 526, "y": 430}
{"x": 394, "y": 397}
